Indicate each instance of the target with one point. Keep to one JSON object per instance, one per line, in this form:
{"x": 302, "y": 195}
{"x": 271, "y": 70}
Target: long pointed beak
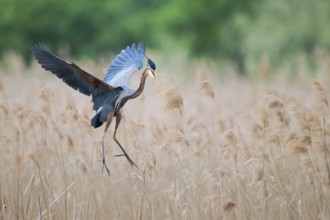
{"x": 152, "y": 74}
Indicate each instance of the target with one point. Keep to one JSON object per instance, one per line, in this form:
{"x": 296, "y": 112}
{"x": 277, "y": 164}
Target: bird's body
{"x": 109, "y": 95}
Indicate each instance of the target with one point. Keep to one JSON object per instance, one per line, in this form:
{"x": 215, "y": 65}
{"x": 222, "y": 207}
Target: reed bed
{"x": 208, "y": 145}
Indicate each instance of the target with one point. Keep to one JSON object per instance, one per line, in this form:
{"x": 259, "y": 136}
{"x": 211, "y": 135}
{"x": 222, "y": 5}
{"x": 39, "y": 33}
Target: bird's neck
{"x": 139, "y": 90}
{"x": 135, "y": 94}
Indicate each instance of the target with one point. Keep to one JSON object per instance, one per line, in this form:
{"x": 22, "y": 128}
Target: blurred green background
{"x": 238, "y": 31}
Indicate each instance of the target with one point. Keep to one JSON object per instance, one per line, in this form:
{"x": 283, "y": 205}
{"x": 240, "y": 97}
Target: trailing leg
{"x": 109, "y": 119}
{"x": 118, "y": 119}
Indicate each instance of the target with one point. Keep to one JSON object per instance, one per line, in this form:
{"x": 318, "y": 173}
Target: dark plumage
{"x": 152, "y": 64}
{"x": 108, "y": 96}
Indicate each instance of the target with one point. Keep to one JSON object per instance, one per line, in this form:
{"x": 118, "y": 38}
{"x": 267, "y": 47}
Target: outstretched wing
{"x": 70, "y": 73}
{"x": 123, "y": 65}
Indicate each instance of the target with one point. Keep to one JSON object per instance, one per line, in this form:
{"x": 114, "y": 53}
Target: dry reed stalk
{"x": 259, "y": 175}
{"x": 33, "y": 158}
{"x": 171, "y": 95}
{"x": 265, "y": 119}
{"x": 204, "y": 84}
{"x": 69, "y": 142}
{"x": 173, "y": 100}
{"x": 230, "y": 137}
{"x": 18, "y": 160}
{"x": 207, "y": 88}
{"x": 321, "y": 93}
{"x": 56, "y": 200}
{"x": 84, "y": 122}
{"x": 299, "y": 148}
{"x": 4, "y": 110}
{"x": 274, "y": 103}
{"x": 298, "y": 190}
{"x": 229, "y": 205}
{"x": 82, "y": 166}
{"x": 176, "y": 136}
{"x": 251, "y": 126}
{"x": 298, "y": 117}
{"x": 325, "y": 147}
{"x": 45, "y": 94}
{"x": 157, "y": 128}
{"x": 323, "y": 99}
{"x": 33, "y": 118}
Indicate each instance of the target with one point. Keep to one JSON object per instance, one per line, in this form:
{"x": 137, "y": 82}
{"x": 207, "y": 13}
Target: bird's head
{"x": 151, "y": 67}
{"x": 150, "y": 70}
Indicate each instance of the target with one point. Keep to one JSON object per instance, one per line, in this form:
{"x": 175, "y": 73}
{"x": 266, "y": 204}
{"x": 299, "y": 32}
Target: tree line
{"x": 239, "y": 31}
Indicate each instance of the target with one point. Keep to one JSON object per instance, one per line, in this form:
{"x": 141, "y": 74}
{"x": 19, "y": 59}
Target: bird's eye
{"x": 152, "y": 64}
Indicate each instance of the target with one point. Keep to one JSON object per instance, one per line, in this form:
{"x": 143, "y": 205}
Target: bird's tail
{"x": 95, "y": 121}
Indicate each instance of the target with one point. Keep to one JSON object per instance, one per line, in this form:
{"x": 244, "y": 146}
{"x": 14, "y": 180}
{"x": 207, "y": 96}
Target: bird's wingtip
{"x": 38, "y": 47}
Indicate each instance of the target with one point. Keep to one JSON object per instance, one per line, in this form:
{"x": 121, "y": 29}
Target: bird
{"x": 108, "y": 95}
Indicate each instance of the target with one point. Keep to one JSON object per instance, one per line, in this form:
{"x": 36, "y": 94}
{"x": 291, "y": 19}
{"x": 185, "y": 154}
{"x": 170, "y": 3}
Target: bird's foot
{"x": 104, "y": 163}
{"x": 128, "y": 158}
{"x": 105, "y": 166}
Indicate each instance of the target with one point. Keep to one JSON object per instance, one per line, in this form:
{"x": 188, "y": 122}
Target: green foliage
{"x": 238, "y": 31}
{"x": 285, "y": 29}
{"x": 88, "y": 27}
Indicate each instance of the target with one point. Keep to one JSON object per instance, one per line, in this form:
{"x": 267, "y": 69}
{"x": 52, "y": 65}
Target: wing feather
{"x": 122, "y": 66}
{"x": 70, "y": 73}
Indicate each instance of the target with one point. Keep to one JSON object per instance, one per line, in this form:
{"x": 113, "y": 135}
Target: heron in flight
{"x": 109, "y": 95}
